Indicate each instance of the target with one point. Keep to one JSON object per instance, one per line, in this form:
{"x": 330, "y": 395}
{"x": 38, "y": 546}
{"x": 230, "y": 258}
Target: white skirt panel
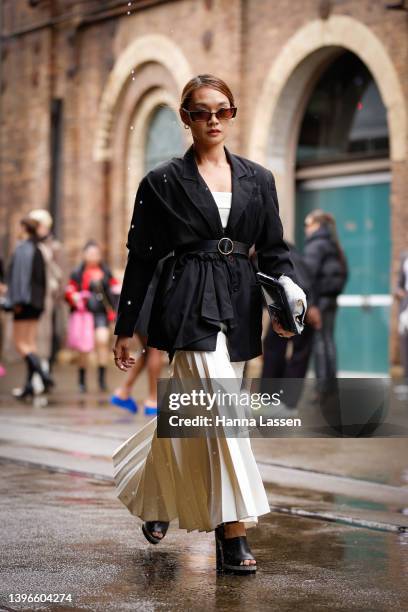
{"x": 201, "y": 481}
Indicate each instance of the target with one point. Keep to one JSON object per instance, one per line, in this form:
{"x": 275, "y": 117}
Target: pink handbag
{"x": 81, "y": 334}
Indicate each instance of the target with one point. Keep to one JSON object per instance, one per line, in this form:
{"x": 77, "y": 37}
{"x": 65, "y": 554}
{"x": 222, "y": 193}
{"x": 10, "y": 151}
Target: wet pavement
{"x": 336, "y": 537}
{"x": 69, "y": 534}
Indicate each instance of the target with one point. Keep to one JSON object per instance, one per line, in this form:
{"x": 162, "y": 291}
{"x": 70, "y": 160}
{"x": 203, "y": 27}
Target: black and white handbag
{"x": 284, "y": 300}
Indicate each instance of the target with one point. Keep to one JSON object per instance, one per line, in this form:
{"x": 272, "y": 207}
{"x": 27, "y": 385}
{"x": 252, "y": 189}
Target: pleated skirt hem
{"x": 202, "y": 482}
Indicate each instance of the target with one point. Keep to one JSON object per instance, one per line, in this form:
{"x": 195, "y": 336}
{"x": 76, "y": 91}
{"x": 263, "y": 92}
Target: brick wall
{"x": 72, "y": 60}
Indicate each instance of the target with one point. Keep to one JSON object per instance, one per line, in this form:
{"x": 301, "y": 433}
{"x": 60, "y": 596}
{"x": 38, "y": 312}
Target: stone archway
{"x": 140, "y": 124}
{"x": 278, "y": 113}
{"x": 150, "y": 48}
{"x": 289, "y": 78}
{"x": 160, "y": 71}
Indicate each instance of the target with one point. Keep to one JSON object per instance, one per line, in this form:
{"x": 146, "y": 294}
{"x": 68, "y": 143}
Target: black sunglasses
{"x": 205, "y": 115}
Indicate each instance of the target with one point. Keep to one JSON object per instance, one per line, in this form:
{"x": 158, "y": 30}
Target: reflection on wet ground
{"x": 382, "y": 460}
{"x": 68, "y": 534}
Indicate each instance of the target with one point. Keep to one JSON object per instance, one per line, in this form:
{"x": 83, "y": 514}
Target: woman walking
{"x": 209, "y": 207}
{"x": 91, "y": 286}
{"x": 26, "y": 289}
{"x": 327, "y": 263}
{"x": 52, "y": 252}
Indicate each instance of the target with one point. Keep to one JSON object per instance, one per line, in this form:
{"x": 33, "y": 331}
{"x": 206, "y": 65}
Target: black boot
{"x": 82, "y": 380}
{"x": 35, "y": 365}
{"x": 28, "y": 389}
{"x": 102, "y": 378}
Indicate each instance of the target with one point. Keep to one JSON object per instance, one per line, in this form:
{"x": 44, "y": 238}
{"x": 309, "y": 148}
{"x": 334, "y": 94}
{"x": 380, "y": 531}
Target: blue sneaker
{"x": 150, "y": 410}
{"x": 128, "y": 404}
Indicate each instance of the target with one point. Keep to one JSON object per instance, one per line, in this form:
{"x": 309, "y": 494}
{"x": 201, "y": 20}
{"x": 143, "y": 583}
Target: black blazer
{"x": 173, "y": 208}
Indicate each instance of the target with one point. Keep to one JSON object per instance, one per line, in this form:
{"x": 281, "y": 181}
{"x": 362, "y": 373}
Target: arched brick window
{"x": 164, "y": 138}
{"x": 345, "y": 118}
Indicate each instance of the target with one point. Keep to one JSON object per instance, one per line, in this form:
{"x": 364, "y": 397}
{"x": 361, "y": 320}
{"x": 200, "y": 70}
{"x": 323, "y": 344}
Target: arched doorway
{"x": 279, "y": 110}
{"x": 342, "y": 167}
{"x": 148, "y": 75}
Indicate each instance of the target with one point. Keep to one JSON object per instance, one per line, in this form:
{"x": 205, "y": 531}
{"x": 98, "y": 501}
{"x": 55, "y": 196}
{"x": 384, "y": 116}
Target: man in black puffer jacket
{"x": 327, "y": 264}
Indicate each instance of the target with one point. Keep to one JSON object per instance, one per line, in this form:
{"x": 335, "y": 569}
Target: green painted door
{"x": 360, "y": 205}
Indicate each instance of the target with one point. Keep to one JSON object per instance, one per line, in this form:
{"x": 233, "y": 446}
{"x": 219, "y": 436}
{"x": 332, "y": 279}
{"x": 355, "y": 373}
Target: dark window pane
{"x": 164, "y": 137}
{"x": 345, "y": 118}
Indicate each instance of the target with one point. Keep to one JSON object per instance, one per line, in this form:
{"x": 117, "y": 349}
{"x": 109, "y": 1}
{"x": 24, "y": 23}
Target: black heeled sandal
{"x": 149, "y": 526}
{"x": 22, "y": 394}
{"x": 230, "y": 552}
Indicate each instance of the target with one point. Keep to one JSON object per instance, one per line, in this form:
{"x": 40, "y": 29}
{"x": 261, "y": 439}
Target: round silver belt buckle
{"x": 220, "y": 248}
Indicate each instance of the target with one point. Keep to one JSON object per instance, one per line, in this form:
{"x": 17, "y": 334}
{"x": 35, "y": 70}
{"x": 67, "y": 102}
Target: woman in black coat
{"x": 26, "y": 286}
{"x": 327, "y": 263}
{"x": 207, "y": 208}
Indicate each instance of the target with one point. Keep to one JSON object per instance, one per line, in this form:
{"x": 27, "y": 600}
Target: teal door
{"x": 360, "y": 205}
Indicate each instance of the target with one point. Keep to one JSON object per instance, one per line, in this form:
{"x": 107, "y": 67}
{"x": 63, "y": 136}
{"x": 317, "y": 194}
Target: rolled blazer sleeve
{"x": 146, "y": 247}
{"x": 271, "y": 249}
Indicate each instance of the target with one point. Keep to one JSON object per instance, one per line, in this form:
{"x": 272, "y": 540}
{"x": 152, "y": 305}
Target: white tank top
{"x": 223, "y": 200}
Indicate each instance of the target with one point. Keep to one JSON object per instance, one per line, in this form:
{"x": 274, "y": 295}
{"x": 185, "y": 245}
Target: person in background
{"x": 52, "y": 252}
{"x": 328, "y": 266}
{"x": 3, "y": 289}
{"x": 276, "y": 361}
{"x": 401, "y": 293}
{"x": 94, "y": 276}
{"x": 26, "y": 289}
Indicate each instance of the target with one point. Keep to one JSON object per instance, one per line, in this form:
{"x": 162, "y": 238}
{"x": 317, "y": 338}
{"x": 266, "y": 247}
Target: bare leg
{"x": 32, "y": 335}
{"x": 154, "y": 366}
{"x": 82, "y": 360}
{"x": 102, "y": 345}
{"x": 24, "y": 334}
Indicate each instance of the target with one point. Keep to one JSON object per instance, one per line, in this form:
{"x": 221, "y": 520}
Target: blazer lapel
{"x": 201, "y": 197}
{"x": 243, "y": 183}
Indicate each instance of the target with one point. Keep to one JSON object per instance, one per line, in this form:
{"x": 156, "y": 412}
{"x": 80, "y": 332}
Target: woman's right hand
{"x": 122, "y": 357}
{"x": 277, "y": 328}
{"x": 400, "y": 293}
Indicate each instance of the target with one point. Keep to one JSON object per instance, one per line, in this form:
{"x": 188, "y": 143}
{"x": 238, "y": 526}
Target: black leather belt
{"x": 224, "y": 245}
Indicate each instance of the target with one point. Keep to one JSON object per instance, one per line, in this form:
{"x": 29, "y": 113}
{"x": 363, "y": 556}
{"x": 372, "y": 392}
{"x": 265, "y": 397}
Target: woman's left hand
{"x": 277, "y": 327}
{"x": 123, "y": 359}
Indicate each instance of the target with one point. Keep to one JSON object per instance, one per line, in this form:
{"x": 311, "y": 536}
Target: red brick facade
{"x": 68, "y": 50}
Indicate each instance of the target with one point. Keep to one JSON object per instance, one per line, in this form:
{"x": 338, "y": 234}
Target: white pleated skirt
{"x": 202, "y": 482}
